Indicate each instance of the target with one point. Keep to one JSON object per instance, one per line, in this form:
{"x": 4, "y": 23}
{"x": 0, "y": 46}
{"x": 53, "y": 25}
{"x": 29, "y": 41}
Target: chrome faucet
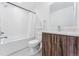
{"x": 1, "y": 37}
{"x": 1, "y": 33}
{"x": 59, "y": 28}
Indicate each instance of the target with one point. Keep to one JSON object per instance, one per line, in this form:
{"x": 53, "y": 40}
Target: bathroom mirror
{"x": 63, "y": 16}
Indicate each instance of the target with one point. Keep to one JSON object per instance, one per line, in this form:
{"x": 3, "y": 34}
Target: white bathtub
{"x": 10, "y": 46}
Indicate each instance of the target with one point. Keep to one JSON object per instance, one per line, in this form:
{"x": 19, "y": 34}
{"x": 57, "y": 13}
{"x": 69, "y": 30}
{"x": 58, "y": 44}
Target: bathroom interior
{"x": 39, "y": 29}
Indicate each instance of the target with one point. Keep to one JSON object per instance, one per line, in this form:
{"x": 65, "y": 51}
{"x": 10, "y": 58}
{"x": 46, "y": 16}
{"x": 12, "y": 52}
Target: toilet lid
{"x": 33, "y": 41}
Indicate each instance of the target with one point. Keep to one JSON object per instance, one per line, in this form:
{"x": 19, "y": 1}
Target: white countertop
{"x": 70, "y": 33}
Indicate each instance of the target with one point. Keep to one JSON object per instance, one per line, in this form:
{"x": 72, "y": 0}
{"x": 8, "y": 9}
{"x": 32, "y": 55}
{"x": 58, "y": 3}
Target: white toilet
{"x": 34, "y": 46}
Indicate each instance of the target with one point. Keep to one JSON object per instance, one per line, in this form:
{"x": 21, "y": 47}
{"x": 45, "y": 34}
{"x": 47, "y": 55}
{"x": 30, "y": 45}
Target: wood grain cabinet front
{"x": 59, "y": 45}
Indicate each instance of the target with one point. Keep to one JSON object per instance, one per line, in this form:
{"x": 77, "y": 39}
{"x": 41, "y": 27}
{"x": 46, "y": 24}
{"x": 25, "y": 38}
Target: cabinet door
{"x": 71, "y": 46}
{"x": 68, "y": 45}
{"x": 46, "y": 44}
{"x": 63, "y": 45}
{"x": 51, "y": 45}
{"x": 56, "y": 45}
{"x": 77, "y": 42}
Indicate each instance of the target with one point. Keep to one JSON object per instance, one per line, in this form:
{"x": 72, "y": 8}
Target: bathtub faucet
{"x": 3, "y": 37}
{"x": 1, "y": 33}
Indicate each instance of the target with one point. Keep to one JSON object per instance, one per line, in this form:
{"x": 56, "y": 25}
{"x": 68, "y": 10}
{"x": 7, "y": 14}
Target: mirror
{"x": 63, "y": 15}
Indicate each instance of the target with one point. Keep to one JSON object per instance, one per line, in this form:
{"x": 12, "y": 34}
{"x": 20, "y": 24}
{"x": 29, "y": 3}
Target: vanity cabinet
{"x": 59, "y": 45}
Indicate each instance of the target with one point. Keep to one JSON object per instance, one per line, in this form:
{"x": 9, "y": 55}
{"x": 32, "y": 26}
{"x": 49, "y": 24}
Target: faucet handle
{"x": 5, "y": 37}
{"x": 2, "y": 32}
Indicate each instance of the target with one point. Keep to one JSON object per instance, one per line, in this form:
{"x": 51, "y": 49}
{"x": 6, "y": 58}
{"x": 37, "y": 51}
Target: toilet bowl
{"x": 34, "y": 46}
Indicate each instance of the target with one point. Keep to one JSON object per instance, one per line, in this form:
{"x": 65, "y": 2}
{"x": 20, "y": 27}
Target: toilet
{"x": 34, "y": 46}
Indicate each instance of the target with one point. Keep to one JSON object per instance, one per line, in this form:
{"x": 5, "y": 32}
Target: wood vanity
{"x": 59, "y": 45}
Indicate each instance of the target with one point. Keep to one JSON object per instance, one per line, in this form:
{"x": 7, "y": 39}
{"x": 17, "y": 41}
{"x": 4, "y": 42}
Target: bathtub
{"x": 11, "y": 45}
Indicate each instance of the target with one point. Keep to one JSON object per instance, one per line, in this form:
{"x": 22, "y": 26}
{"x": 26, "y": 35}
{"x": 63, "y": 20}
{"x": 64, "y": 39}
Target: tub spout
{"x": 3, "y": 37}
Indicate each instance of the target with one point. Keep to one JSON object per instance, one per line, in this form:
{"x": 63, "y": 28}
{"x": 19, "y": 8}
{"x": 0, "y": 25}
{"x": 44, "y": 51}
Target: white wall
{"x": 41, "y": 9}
{"x": 77, "y": 15}
{"x": 43, "y": 13}
{"x": 16, "y": 23}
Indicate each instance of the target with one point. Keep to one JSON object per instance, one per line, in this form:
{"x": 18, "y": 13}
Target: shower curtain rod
{"x": 21, "y": 7}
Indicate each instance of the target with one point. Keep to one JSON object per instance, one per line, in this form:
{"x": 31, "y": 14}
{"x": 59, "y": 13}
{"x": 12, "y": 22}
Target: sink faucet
{"x": 59, "y": 28}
